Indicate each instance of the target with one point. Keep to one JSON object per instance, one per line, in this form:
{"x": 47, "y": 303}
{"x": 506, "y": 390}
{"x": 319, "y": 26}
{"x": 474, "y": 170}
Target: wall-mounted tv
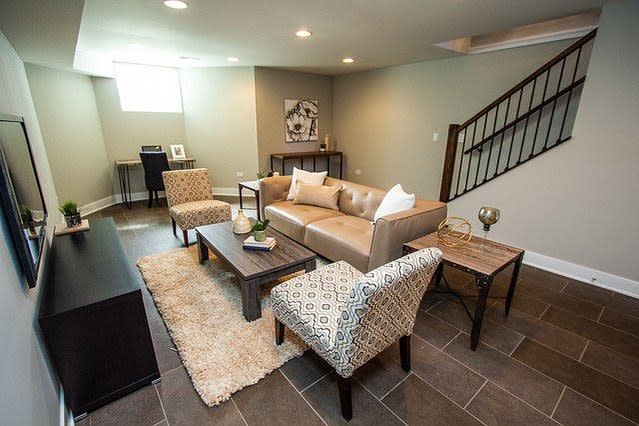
{"x": 21, "y": 196}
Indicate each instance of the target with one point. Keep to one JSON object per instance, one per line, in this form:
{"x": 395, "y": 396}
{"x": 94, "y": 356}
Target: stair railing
{"x": 514, "y": 139}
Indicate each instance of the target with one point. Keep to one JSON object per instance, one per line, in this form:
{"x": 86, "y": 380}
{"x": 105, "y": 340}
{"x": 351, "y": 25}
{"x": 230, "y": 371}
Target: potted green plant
{"x": 71, "y": 214}
{"x": 260, "y": 175}
{"x": 259, "y": 230}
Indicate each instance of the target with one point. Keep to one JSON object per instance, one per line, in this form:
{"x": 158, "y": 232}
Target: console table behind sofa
{"x": 314, "y": 155}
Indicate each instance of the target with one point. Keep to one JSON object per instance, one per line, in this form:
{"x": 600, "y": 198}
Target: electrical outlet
{"x": 240, "y": 174}
{"x": 435, "y": 137}
{"x": 358, "y": 172}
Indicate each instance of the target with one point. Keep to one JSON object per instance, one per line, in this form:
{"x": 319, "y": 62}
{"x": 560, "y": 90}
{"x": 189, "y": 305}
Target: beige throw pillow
{"x": 317, "y": 195}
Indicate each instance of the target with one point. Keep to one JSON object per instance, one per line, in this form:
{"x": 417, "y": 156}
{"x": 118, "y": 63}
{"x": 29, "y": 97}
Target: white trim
{"x": 139, "y": 196}
{"x": 583, "y": 273}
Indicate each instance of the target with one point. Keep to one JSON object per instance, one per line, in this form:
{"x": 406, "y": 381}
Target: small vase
{"x": 241, "y": 224}
{"x": 259, "y": 236}
{"x": 73, "y": 220}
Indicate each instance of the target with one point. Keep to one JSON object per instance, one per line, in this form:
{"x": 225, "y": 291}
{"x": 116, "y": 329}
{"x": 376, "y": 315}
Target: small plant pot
{"x": 73, "y": 220}
{"x": 259, "y": 236}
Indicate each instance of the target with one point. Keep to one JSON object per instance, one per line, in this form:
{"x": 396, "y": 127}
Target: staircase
{"x": 531, "y": 118}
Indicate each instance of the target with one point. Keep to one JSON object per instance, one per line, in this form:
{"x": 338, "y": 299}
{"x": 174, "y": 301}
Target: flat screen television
{"x": 21, "y": 197}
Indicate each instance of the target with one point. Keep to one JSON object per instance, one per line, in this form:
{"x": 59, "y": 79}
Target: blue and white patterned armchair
{"x": 348, "y": 318}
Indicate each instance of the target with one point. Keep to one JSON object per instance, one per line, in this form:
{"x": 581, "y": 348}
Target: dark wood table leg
{"x": 202, "y": 248}
{"x": 310, "y": 265}
{"x": 341, "y": 161}
{"x": 483, "y": 286}
{"x": 328, "y": 165}
{"x": 257, "y": 204}
{"x": 239, "y": 190}
{"x": 251, "y": 299}
{"x": 438, "y": 274}
{"x": 513, "y": 283}
{"x": 272, "y": 164}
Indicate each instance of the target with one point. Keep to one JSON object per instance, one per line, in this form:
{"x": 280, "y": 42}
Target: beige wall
{"x": 384, "y": 120}
{"x": 579, "y": 202}
{"x": 28, "y": 386}
{"x": 272, "y": 86}
{"x": 125, "y": 132}
{"x": 576, "y": 203}
{"x": 219, "y": 115}
{"x": 70, "y": 124}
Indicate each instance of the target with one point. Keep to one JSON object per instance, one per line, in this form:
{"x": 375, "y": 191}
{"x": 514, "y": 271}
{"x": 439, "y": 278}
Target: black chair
{"x": 154, "y": 164}
{"x": 151, "y": 148}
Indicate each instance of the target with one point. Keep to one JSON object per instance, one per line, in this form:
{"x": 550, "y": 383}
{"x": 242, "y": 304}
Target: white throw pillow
{"x": 310, "y": 178}
{"x": 395, "y": 201}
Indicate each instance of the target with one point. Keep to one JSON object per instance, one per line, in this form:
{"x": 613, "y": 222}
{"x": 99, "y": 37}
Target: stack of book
{"x": 266, "y": 245}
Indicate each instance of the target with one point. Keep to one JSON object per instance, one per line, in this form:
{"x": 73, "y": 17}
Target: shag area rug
{"x": 202, "y": 308}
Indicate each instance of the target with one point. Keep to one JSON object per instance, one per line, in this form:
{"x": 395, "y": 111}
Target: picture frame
{"x": 301, "y": 120}
{"x": 178, "y": 152}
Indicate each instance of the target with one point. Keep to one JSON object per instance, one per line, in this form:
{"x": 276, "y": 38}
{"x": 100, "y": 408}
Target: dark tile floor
{"x": 568, "y": 353}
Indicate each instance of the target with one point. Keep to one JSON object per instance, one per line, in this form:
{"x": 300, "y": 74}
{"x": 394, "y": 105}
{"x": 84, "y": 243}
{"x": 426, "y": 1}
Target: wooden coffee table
{"x": 480, "y": 257}
{"x": 253, "y": 268}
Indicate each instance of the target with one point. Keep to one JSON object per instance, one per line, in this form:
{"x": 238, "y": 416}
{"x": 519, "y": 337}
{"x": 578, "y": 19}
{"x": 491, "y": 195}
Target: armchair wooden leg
{"x": 345, "y": 397}
{"x": 404, "y": 352}
{"x": 150, "y": 199}
{"x": 279, "y": 332}
{"x": 174, "y": 225}
{"x": 185, "y": 234}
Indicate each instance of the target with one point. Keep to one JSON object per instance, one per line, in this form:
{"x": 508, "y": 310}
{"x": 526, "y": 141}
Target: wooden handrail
{"x": 527, "y": 114}
{"x": 582, "y": 41}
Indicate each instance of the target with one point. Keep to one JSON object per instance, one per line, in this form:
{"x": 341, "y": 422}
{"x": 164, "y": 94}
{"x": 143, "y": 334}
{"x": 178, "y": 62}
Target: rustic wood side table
{"x": 251, "y": 185}
{"x": 480, "y": 257}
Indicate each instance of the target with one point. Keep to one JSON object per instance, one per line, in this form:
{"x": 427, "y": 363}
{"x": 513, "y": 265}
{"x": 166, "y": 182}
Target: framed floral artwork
{"x": 301, "y": 117}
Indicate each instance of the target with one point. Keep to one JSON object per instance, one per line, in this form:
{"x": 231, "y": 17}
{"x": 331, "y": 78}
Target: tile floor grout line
{"x": 475, "y": 394}
{"x": 544, "y": 311}
{"x": 604, "y": 407}
{"x": 382, "y": 402}
{"x": 485, "y": 378}
{"x": 564, "y": 287}
{"x": 583, "y": 352}
{"x": 451, "y": 340}
{"x": 581, "y": 317}
{"x": 398, "y": 383}
{"x": 302, "y": 390}
{"x": 561, "y": 395}
{"x": 432, "y": 306}
{"x": 517, "y": 345}
{"x": 238, "y": 410}
{"x": 157, "y": 392}
{"x": 603, "y": 308}
{"x": 303, "y": 397}
{"x": 449, "y": 398}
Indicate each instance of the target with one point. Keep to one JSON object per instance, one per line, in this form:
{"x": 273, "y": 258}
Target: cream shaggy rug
{"x": 202, "y": 308}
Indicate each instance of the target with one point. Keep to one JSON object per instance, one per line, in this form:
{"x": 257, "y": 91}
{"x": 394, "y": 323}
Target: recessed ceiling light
{"x": 303, "y": 33}
{"x": 348, "y": 60}
{"x": 176, "y": 4}
{"x": 135, "y": 46}
{"x": 232, "y": 59}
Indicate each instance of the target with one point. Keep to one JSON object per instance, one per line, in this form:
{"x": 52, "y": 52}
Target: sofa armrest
{"x": 272, "y": 190}
{"x": 392, "y": 231}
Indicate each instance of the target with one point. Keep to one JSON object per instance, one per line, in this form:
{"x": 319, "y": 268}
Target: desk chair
{"x": 154, "y": 164}
{"x": 151, "y": 148}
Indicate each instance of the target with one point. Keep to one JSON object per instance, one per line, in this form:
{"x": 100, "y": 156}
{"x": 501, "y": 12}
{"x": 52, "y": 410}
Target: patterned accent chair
{"x": 348, "y": 318}
{"x": 189, "y": 194}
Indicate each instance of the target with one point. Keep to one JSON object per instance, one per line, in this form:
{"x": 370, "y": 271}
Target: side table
{"x": 251, "y": 185}
{"x": 481, "y": 257}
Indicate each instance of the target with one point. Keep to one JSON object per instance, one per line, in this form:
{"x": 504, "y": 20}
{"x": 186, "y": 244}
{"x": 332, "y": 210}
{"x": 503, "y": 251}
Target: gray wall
{"x": 384, "y": 120}
{"x": 70, "y": 124}
{"x": 29, "y": 389}
{"x": 219, "y": 117}
{"x": 272, "y": 86}
{"x": 124, "y": 132}
{"x": 578, "y": 202}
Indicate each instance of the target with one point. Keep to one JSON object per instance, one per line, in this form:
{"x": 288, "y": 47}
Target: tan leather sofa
{"x": 348, "y": 234}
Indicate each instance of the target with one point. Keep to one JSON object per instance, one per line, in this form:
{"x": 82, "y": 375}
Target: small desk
{"x": 283, "y": 156}
{"x": 251, "y": 185}
{"x": 480, "y": 257}
{"x": 124, "y": 177}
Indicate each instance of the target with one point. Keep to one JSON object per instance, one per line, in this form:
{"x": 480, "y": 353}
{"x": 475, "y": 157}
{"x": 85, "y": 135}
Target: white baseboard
{"x": 583, "y": 273}
{"x": 139, "y": 196}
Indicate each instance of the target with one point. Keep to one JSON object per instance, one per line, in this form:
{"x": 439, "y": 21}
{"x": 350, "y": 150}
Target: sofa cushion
{"x": 317, "y": 195}
{"x": 346, "y": 238}
{"x": 357, "y": 200}
{"x": 290, "y": 219}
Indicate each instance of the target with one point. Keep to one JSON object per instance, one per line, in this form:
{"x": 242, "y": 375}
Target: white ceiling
{"x": 376, "y": 33}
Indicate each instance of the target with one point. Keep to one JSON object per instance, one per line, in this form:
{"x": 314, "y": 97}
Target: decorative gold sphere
{"x": 454, "y": 232}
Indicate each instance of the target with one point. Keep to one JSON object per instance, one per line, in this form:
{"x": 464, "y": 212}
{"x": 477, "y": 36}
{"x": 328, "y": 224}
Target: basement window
{"x": 145, "y": 88}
